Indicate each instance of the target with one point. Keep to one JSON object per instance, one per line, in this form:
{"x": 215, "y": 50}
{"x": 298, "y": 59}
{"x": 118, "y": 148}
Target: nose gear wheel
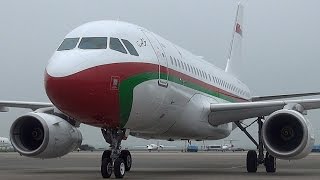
{"x": 115, "y": 160}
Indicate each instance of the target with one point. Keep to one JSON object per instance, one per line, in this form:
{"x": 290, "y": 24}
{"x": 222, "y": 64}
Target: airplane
{"x": 228, "y": 147}
{"x": 5, "y": 144}
{"x": 155, "y": 147}
{"x": 126, "y": 80}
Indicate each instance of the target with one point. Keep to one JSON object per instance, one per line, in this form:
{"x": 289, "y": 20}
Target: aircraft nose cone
{"x": 85, "y": 96}
{"x": 64, "y": 63}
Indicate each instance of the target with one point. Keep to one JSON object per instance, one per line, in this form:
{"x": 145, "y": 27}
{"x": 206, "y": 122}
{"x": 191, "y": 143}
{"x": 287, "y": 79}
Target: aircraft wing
{"x": 231, "y": 112}
{"x": 282, "y": 96}
{"x": 5, "y": 105}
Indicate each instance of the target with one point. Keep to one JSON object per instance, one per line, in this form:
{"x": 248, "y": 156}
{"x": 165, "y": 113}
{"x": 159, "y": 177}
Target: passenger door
{"x": 161, "y": 56}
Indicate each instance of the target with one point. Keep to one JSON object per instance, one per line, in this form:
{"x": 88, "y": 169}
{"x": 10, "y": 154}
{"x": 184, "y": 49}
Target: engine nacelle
{"x": 287, "y": 134}
{"x": 42, "y": 135}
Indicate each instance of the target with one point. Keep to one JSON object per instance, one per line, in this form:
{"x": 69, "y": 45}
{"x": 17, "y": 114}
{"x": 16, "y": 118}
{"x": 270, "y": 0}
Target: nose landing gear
{"x": 115, "y": 160}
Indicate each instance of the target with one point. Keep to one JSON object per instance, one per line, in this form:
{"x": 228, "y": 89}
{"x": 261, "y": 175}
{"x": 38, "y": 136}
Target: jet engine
{"x": 287, "y": 134}
{"x": 42, "y": 135}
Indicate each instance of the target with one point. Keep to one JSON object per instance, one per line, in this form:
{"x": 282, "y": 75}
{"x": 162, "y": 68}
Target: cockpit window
{"x": 130, "y": 47}
{"x": 68, "y": 43}
{"x": 93, "y": 43}
{"x": 116, "y": 45}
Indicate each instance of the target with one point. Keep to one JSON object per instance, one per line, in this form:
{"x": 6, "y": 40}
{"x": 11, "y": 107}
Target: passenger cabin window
{"x": 68, "y": 43}
{"x": 116, "y": 45}
{"x": 130, "y": 47}
{"x": 93, "y": 43}
{"x": 179, "y": 63}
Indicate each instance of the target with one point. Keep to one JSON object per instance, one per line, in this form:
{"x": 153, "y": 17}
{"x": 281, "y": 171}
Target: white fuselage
{"x": 165, "y": 92}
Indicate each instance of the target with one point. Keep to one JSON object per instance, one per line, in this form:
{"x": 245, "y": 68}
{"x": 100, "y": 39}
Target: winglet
{"x": 234, "y": 57}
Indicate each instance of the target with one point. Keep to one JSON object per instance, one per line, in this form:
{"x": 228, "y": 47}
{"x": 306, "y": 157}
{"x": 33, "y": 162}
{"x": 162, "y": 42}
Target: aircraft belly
{"x": 148, "y": 114}
{"x": 175, "y": 112}
{"x": 193, "y": 123}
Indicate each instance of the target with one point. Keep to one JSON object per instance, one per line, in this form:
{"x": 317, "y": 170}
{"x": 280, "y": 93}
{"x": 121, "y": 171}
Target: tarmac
{"x": 155, "y": 165}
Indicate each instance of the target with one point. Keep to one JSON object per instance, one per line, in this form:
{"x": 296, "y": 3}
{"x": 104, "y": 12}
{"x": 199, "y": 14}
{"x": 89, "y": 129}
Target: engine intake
{"x": 42, "y": 135}
{"x": 287, "y": 134}
{"x": 31, "y": 133}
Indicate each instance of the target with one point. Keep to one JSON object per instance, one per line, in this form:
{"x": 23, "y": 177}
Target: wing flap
{"x": 231, "y": 112}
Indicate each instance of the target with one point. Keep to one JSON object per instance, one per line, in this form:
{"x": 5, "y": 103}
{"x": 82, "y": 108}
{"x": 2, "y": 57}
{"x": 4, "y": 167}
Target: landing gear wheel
{"x": 126, "y": 156}
{"x": 106, "y": 168}
{"x": 252, "y": 161}
{"x": 270, "y": 163}
{"x": 119, "y": 168}
{"x": 106, "y": 154}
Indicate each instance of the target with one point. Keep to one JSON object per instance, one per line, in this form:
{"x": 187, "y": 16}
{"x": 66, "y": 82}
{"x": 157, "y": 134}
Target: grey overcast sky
{"x": 281, "y": 45}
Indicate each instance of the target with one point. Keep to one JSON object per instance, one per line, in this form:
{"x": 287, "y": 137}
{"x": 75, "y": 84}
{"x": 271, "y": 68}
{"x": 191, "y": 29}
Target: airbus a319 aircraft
{"x": 155, "y": 147}
{"x": 126, "y": 80}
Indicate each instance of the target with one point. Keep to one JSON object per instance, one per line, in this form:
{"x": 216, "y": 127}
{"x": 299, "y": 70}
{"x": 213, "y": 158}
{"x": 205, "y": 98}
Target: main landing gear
{"x": 254, "y": 159}
{"x": 115, "y": 160}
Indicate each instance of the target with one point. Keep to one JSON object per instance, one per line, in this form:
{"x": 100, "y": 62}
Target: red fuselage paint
{"x": 92, "y": 96}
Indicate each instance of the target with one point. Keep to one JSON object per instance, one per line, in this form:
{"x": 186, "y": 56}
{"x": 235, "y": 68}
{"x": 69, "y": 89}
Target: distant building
{"x": 213, "y": 148}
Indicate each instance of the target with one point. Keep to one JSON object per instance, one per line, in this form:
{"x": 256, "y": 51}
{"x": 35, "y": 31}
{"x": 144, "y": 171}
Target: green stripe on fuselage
{"x": 126, "y": 93}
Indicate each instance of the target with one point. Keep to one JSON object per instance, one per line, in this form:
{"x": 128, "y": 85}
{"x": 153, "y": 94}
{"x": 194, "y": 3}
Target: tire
{"x": 270, "y": 163}
{"x": 126, "y": 156}
{"x": 119, "y": 168}
{"x": 106, "y": 154}
{"x": 106, "y": 168}
{"x": 252, "y": 161}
